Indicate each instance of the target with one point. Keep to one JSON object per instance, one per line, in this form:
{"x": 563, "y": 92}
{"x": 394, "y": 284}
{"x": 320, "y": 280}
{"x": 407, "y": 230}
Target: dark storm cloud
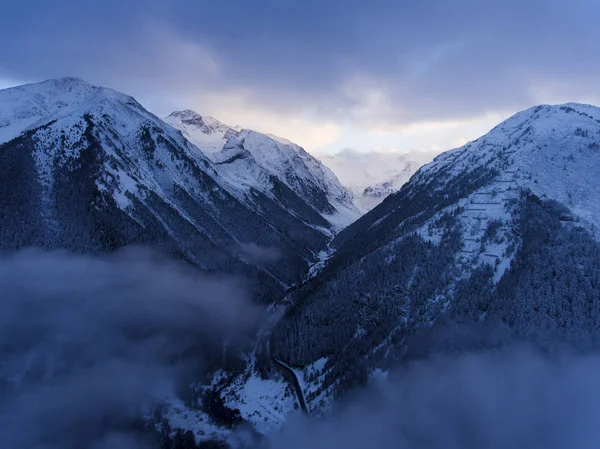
{"x": 430, "y": 59}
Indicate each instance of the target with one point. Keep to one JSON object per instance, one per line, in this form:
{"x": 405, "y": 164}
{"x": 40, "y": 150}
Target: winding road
{"x": 291, "y": 375}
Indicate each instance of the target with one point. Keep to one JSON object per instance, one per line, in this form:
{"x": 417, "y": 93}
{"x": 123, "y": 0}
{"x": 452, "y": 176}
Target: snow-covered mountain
{"x": 206, "y": 132}
{"x": 372, "y": 176}
{"x": 491, "y": 243}
{"x": 34, "y": 105}
{"x": 250, "y": 160}
{"x": 88, "y": 168}
{"x": 373, "y": 195}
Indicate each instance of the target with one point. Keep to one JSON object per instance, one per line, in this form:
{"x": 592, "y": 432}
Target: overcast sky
{"x": 378, "y": 75}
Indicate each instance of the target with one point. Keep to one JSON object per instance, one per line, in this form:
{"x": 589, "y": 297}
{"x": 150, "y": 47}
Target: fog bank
{"x": 87, "y": 344}
{"x": 513, "y": 399}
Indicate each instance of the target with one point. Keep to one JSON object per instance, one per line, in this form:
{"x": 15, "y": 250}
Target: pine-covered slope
{"x": 490, "y": 243}
{"x": 276, "y": 167}
{"x": 89, "y": 169}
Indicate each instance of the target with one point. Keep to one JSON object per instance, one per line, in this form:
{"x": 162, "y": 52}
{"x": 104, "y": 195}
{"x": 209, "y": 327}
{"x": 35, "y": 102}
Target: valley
{"x": 491, "y": 245}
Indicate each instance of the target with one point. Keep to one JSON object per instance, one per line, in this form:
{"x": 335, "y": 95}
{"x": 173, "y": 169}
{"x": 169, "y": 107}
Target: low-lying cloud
{"x": 260, "y": 254}
{"x": 513, "y": 399}
{"x": 88, "y": 343}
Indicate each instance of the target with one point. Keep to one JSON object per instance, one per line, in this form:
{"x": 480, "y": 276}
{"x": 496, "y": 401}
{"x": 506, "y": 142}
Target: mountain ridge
{"x": 491, "y": 244}
{"x": 89, "y": 169}
{"x": 253, "y": 158}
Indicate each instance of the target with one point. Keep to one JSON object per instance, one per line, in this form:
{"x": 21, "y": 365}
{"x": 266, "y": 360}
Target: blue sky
{"x": 374, "y": 76}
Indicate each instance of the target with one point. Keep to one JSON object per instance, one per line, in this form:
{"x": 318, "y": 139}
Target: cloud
{"x": 88, "y": 344}
{"x": 420, "y": 141}
{"x": 260, "y": 254}
{"x": 307, "y": 53}
{"x": 241, "y": 108}
{"x": 310, "y": 70}
{"x": 517, "y": 398}
{"x": 358, "y": 170}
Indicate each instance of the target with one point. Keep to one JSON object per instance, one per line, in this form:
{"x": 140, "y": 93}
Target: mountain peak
{"x": 58, "y": 86}
{"x": 206, "y": 124}
{"x": 187, "y": 114}
{"x": 31, "y": 105}
{"x": 551, "y": 113}
{"x": 205, "y": 132}
{"x": 67, "y": 81}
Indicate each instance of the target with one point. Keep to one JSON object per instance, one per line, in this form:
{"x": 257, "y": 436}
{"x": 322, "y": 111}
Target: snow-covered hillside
{"x": 490, "y": 243}
{"x": 33, "y": 105}
{"x": 206, "y": 132}
{"x": 252, "y": 160}
{"x": 552, "y": 150}
{"x": 87, "y": 168}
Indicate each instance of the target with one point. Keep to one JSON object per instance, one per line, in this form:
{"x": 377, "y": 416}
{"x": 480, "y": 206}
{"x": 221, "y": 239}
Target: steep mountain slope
{"x": 551, "y": 150}
{"x": 372, "y": 176}
{"x": 276, "y": 167}
{"x": 490, "y": 243}
{"x": 89, "y": 169}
